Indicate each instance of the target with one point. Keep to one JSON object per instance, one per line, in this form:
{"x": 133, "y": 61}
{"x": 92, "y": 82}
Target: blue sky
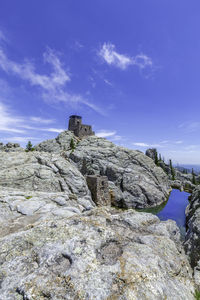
{"x": 130, "y": 68}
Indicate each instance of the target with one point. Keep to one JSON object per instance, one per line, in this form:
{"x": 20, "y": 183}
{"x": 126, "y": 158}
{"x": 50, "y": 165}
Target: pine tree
{"x": 172, "y": 169}
{"x": 160, "y": 158}
{"x": 193, "y": 177}
{"x": 156, "y": 157}
{"x": 72, "y": 145}
{"x": 29, "y": 147}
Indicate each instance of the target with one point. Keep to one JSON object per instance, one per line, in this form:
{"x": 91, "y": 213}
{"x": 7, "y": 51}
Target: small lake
{"x": 173, "y": 209}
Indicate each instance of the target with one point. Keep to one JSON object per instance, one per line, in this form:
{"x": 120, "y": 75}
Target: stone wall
{"x": 98, "y": 186}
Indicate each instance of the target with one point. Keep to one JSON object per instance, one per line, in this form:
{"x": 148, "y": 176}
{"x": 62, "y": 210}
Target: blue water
{"x": 173, "y": 209}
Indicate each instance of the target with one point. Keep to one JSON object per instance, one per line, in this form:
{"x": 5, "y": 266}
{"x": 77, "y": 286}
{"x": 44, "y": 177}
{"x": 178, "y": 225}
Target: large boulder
{"x": 135, "y": 180}
{"x": 11, "y": 147}
{"x": 102, "y": 254}
{"x": 192, "y": 240}
{"x": 39, "y": 171}
{"x": 60, "y": 143}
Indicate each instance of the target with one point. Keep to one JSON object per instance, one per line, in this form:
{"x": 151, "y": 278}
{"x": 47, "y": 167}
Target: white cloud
{"x": 2, "y": 36}
{"x": 179, "y": 142}
{"x": 190, "y": 126}
{"x": 141, "y": 144}
{"x": 108, "y": 53}
{"x": 26, "y": 71}
{"x": 10, "y": 122}
{"x": 58, "y": 130}
{"x": 42, "y": 121}
{"x": 122, "y": 61}
{"x": 147, "y": 145}
{"x": 116, "y": 138}
{"x": 142, "y": 61}
{"x": 108, "y": 82}
{"x": 53, "y": 85}
{"x": 105, "y": 133}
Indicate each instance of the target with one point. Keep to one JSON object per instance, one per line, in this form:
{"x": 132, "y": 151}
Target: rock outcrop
{"x": 56, "y": 244}
{"x": 192, "y": 240}
{"x": 134, "y": 179}
{"x": 11, "y": 147}
{"x": 60, "y": 143}
{"x": 101, "y": 254}
{"x": 182, "y": 185}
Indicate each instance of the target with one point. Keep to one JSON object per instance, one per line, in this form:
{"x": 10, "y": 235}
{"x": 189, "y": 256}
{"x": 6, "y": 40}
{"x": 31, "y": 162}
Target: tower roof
{"x": 75, "y": 117}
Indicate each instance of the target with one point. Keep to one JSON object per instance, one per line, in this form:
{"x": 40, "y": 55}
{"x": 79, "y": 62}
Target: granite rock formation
{"x": 56, "y": 244}
{"x": 101, "y": 254}
{"x": 45, "y": 172}
{"x": 11, "y": 147}
{"x": 134, "y": 179}
{"x": 192, "y": 240}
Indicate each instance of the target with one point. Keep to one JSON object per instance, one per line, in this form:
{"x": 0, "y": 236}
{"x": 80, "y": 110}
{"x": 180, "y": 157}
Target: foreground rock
{"x": 35, "y": 171}
{"x": 192, "y": 243}
{"x": 20, "y": 210}
{"x": 102, "y": 254}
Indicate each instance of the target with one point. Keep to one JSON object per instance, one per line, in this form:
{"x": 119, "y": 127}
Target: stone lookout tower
{"x": 79, "y": 129}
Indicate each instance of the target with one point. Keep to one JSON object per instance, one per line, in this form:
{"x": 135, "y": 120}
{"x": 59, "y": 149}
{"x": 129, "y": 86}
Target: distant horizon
{"x": 130, "y": 70}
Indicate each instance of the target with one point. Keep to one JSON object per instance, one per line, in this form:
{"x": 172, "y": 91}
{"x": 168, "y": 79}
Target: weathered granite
{"x": 192, "y": 243}
{"x": 11, "y": 147}
{"x": 60, "y": 143}
{"x": 41, "y": 172}
{"x": 21, "y": 209}
{"x": 192, "y": 239}
{"x": 182, "y": 185}
{"x": 138, "y": 181}
{"x": 101, "y": 254}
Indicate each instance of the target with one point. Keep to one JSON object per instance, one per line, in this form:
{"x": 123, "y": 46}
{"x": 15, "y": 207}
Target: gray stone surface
{"x": 60, "y": 143}
{"x": 138, "y": 181}
{"x": 19, "y": 209}
{"x": 36, "y": 171}
{"x": 11, "y": 147}
{"x": 192, "y": 243}
{"x": 182, "y": 185}
{"x": 101, "y": 254}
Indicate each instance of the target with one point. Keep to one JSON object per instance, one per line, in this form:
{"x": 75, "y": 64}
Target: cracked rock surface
{"x": 36, "y": 171}
{"x": 101, "y": 254}
{"x": 192, "y": 240}
{"x": 134, "y": 179}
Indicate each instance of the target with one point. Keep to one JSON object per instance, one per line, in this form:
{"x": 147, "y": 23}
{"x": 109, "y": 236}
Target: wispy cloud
{"x": 2, "y": 36}
{"x": 190, "y": 126}
{"x": 41, "y": 120}
{"x": 26, "y": 70}
{"x": 53, "y": 86}
{"x": 10, "y": 122}
{"x": 109, "y": 54}
{"x": 141, "y": 144}
{"x": 105, "y": 133}
{"x": 108, "y": 82}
